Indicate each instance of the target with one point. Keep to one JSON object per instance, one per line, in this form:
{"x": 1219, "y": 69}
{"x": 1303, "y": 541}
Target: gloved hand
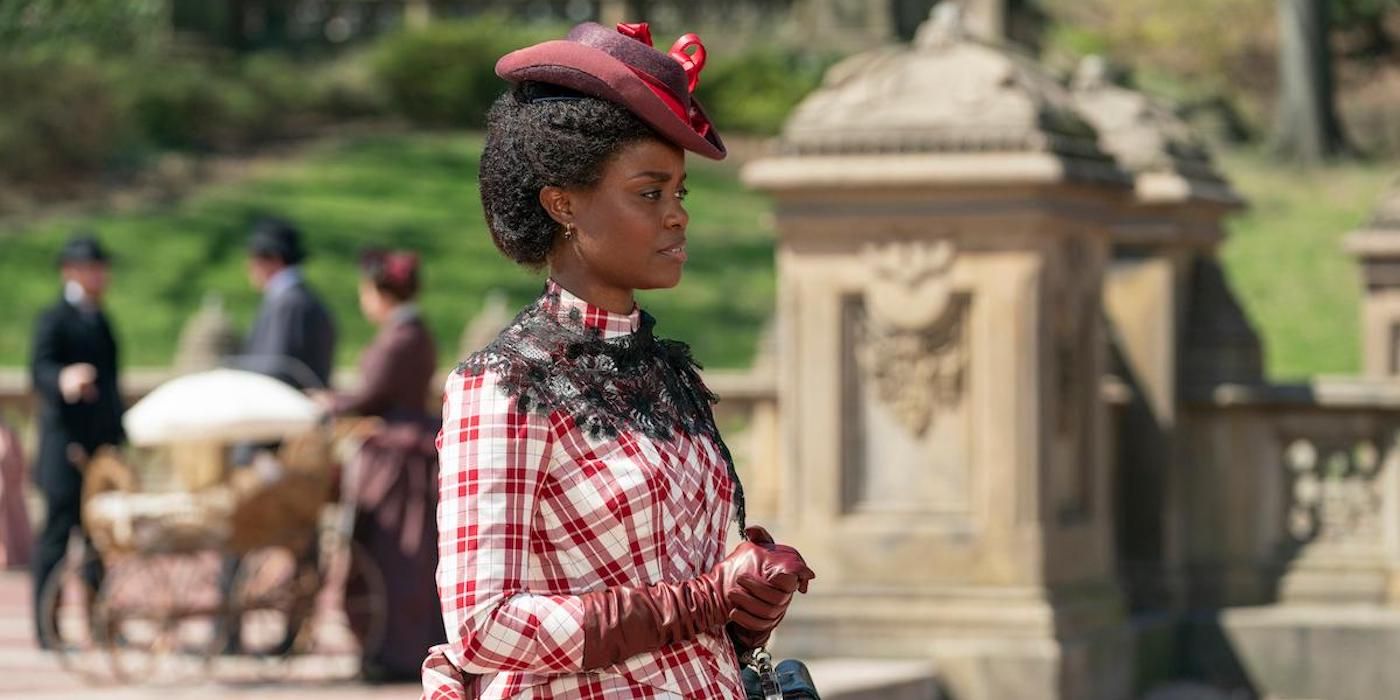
{"x": 620, "y": 622}
{"x": 771, "y": 601}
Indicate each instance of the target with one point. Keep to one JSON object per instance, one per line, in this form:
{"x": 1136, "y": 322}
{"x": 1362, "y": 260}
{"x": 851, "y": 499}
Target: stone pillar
{"x": 207, "y": 338}
{"x": 1166, "y": 242}
{"x": 1377, "y": 250}
{"x": 944, "y": 222}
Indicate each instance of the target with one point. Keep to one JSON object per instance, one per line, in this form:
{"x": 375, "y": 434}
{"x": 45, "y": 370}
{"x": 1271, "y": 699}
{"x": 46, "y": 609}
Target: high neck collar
{"x": 284, "y": 279}
{"x": 568, "y": 309}
{"x": 404, "y": 313}
{"x": 77, "y": 298}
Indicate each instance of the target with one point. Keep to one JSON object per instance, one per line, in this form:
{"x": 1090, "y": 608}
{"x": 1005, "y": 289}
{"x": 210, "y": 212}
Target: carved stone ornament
{"x": 1144, "y": 135}
{"x": 1336, "y": 492}
{"x": 208, "y": 337}
{"x": 1387, "y": 213}
{"x": 910, "y": 337}
{"x": 945, "y": 92}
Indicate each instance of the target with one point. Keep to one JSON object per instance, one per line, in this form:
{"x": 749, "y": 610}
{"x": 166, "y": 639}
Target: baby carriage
{"x": 193, "y": 568}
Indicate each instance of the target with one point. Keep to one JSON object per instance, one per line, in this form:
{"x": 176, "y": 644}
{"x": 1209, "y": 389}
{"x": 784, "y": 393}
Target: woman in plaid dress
{"x": 585, "y": 494}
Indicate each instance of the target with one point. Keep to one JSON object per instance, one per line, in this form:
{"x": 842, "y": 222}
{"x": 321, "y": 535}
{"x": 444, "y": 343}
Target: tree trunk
{"x": 986, "y": 19}
{"x": 610, "y": 12}
{"x": 236, "y": 27}
{"x": 1307, "y": 128}
{"x": 418, "y": 14}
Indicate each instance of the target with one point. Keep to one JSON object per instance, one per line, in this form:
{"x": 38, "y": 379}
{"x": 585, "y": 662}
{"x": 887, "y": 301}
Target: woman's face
{"x": 629, "y": 228}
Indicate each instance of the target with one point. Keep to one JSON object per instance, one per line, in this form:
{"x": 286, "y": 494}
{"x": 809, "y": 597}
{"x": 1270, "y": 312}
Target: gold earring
{"x": 568, "y": 231}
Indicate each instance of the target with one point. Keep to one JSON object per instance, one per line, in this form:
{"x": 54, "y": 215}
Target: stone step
{"x": 874, "y": 679}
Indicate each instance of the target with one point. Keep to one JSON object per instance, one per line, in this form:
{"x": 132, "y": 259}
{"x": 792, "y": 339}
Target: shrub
{"x": 200, "y": 104}
{"x": 179, "y": 106}
{"x": 67, "y": 124}
{"x": 346, "y": 88}
{"x": 444, "y": 75}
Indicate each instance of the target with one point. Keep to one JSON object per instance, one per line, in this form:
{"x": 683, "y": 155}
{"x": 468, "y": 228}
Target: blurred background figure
{"x": 74, "y": 373}
{"x": 293, "y": 328}
{"x": 397, "y": 466}
{"x": 16, "y": 545}
{"x": 293, "y": 340}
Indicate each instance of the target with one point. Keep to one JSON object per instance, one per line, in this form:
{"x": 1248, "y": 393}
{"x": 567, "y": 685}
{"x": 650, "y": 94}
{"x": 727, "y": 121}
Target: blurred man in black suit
{"x": 74, "y": 374}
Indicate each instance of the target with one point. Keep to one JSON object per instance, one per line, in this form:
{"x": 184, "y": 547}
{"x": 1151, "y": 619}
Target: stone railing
{"x": 747, "y": 413}
{"x": 1291, "y": 493}
{"x": 17, "y": 402}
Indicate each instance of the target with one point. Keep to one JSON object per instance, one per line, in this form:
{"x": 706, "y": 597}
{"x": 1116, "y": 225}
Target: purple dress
{"x": 397, "y": 496}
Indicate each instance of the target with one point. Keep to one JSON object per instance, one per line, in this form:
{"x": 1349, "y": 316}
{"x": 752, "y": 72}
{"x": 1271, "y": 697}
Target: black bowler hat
{"x": 276, "y": 238}
{"x": 82, "y": 247}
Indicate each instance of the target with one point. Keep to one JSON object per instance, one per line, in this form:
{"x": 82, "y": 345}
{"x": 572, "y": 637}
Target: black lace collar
{"x": 563, "y": 354}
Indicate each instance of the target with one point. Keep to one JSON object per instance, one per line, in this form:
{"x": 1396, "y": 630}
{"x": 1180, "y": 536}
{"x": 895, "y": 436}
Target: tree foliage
{"x": 101, "y": 26}
{"x": 1210, "y": 43}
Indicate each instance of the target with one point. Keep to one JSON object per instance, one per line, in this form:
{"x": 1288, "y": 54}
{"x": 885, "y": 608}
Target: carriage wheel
{"x": 271, "y": 600}
{"x": 352, "y": 613}
{"x": 196, "y": 628}
{"x": 160, "y": 617}
{"x": 71, "y": 600}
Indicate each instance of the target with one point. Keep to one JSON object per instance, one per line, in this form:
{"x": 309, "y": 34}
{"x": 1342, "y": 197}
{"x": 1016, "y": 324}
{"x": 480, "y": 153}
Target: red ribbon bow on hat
{"x": 691, "y": 63}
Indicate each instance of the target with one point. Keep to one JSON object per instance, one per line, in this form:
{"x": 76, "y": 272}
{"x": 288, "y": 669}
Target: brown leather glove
{"x": 751, "y": 634}
{"x": 620, "y": 622}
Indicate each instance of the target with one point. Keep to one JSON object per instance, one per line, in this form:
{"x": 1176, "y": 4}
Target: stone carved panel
{"x": 906, "y": 363}
{"x": 910, "y": 333}
{"x": 1336, "y": 493}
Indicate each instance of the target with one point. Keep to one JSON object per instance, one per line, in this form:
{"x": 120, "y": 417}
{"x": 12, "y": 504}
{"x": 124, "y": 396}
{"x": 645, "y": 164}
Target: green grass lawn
{"x": 415, "y": 191}
{"x": 1285, "y": 261}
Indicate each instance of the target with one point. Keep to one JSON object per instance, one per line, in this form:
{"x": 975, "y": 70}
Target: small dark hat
{"x": 276, "y": 238}
{"x": 83, "y": 247}
{"x": 622, "y": 66}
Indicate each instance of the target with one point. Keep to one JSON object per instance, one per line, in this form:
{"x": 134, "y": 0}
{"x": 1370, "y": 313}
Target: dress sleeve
{"x": 493, "y": 461}
{"x": 377, "y": 379}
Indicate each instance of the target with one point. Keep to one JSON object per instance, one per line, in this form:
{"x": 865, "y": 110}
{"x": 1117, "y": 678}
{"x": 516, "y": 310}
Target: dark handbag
{"x": 794, "y": 681}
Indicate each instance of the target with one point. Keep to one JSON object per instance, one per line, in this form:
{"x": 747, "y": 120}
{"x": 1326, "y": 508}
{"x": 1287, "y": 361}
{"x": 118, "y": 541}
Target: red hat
{"x": 622, "y": 66}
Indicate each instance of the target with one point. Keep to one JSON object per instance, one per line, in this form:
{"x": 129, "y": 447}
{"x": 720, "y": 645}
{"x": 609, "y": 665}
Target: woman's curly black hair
{"x": 538, "y": 135}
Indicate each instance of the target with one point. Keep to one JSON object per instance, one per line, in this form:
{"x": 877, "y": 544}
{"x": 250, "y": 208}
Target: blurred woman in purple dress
{"x": 397, "y": 465}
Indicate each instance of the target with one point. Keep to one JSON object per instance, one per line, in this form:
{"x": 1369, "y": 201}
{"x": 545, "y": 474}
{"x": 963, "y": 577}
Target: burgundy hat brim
{"x": 597, "y": 73}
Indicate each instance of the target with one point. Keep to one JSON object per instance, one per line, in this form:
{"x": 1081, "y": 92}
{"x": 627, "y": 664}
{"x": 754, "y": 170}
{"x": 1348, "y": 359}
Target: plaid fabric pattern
{"x": 532, "y": 512}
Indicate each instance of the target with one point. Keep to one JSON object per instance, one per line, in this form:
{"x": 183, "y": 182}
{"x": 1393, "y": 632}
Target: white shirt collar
{"x": 73, "y": 294}
{"x": 285, "y": 278}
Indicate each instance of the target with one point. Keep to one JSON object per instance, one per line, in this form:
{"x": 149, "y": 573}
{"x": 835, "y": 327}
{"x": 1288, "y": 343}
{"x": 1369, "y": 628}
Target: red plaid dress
{"x": 533, "y": 511}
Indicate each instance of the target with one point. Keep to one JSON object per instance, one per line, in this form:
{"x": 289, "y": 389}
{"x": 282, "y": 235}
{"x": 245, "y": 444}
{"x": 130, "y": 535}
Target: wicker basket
{"x": 275, "y": 503}
{"x": 278, "y": 512}
{"x": 121, "y": 522}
